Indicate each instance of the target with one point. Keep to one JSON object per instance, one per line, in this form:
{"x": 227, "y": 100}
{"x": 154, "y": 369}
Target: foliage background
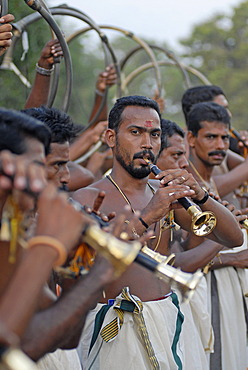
{"x": 218, "y": 48}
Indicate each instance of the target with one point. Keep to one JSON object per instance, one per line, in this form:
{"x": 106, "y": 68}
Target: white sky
{"x": 163, "y": 20}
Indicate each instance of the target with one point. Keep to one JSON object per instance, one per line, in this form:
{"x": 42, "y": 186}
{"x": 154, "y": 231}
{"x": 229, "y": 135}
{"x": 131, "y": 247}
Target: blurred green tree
{"x": 219, "y": 48}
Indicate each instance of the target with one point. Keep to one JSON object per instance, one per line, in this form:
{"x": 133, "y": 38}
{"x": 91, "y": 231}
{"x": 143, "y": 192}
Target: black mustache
{"x": 217, "y": 152}
{"x": 145, "y": 153}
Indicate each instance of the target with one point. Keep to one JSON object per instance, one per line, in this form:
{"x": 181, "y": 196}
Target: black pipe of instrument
{"x": 146, "y": 261}
{"x": 185, "y": 202}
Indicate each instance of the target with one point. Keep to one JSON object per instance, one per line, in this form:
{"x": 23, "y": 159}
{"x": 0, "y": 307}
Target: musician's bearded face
{"x": 128, "y": 163}
{"x": 138, "y": 137}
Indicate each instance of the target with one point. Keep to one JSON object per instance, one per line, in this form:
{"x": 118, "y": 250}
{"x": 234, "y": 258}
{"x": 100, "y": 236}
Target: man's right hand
{"x": 163, "y": 201}
{"x": 5, "y": 32}
{"x": 51, "y": 50}
{"x": 18, "y": 173}
{"x": 106, "y": 79}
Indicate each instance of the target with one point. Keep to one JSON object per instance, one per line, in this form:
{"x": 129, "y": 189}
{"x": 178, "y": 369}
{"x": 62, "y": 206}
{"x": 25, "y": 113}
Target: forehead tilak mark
{"x": 148, "y": 123}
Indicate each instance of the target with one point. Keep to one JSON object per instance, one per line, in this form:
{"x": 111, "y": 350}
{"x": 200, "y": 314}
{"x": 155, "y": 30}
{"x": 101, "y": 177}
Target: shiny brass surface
{"x": 121, "y": 254}
{"x": 184, "y": 282}
{"x": 203, "y": 223}
{"x": 168, "y": 260}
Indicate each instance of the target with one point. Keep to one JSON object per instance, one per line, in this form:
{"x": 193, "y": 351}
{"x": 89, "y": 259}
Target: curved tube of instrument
{"x": 122, "y": 254}
{"x": 36, "y": 5}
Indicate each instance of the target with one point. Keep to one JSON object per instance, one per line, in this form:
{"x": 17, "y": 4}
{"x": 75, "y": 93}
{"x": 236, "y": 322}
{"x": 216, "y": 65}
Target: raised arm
{"x": 44, "y": 69}
{"x": 232, "y": 179}
{"x": 106, "y": 79}
{"x": 88, "y": 138}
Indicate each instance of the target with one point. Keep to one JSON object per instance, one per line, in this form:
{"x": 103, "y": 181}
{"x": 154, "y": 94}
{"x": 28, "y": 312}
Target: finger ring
{"x": 124, "y": 235}
{"x": 127, "y": 222}
{"x": 170, "y": 194}
{"x": 183, "y": 178}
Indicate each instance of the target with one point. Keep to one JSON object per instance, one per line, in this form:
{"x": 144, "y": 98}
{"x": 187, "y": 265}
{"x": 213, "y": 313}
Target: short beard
{"x": 137, "y": 173}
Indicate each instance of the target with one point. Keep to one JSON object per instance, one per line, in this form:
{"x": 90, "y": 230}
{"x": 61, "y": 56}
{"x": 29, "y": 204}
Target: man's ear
{"x": 191, "y": 139}
{"x": 110, "y": 137}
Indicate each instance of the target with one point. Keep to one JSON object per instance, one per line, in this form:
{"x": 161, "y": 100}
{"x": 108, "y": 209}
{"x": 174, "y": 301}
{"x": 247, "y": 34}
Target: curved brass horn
{"x": 202, "y": 223}
{"x": 122, "y": 254}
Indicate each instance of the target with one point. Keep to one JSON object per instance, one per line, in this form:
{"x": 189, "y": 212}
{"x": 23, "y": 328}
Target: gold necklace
{"x": 110, "y": 178}
{"x": 206, "y": 186}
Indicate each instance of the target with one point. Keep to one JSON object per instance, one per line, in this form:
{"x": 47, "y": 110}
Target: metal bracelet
{"x": 44, "y": 71}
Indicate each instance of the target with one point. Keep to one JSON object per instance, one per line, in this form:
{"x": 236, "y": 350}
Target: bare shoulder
{"x": 88, "y": 194}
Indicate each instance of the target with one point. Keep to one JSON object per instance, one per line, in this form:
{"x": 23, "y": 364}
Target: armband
{"x": 51, "y": 242}
{"x": 143, "y": 222}
{"x": 44, "y": 71}
{"x": 203, "y": 200}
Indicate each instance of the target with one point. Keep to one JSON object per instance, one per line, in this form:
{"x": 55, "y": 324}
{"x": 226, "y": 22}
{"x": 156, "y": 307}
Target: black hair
{"x": 16, "y": 127}
{"x": 199, "y": 94}
{"x": 169, "y": 128}
{"x": 210, "y": 112}
{"x": 114, "y": 119}
{"x": 60, "y": 123}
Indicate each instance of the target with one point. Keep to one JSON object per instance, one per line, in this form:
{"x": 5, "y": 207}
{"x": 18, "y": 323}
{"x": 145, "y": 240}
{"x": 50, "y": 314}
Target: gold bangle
{"x": 51, "y": 242}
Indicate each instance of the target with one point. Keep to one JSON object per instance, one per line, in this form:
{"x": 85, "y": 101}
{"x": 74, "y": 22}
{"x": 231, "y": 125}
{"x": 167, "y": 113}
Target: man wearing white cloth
{"x": 208, "y": 136}
{"x": 134, "y": 134}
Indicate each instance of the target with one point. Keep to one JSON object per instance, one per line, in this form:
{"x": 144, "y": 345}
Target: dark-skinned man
{"x": 208, "y": 138}
{"x": 134, "y": 134}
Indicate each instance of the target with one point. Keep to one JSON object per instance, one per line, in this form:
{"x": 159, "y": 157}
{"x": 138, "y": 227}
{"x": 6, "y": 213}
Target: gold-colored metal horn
{"x": 184, "y": 282}
{"x": 203, "y": 223}
{"x": 122, "y": 254}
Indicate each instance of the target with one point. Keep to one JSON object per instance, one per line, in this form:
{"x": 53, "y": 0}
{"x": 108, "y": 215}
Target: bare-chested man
{"x": 47, "y": 328}
{"x": 133, "y": 134}
{"x": 208, "y": 137}
{"x": 232, "y": 172}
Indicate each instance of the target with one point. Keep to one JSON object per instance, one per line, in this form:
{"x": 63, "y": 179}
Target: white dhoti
{"x": 197, "y": 331}
{"x": 201, "y": 316}
{"x": 163, "y": 320}
{"x": 232, "y": 319}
